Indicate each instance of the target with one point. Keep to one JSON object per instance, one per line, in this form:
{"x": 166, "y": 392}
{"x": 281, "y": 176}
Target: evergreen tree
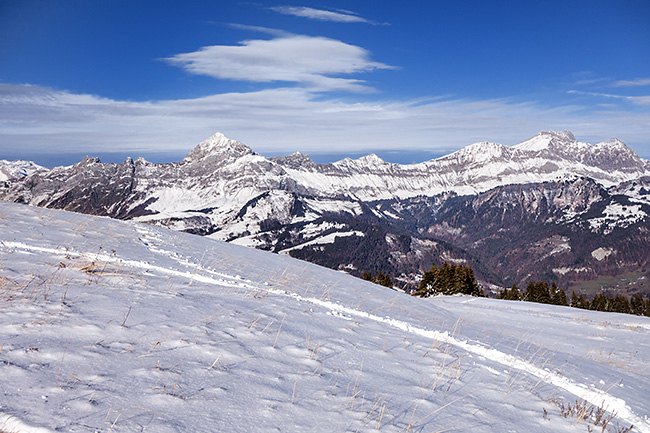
{"x": 637, "y": 305}
{"x": 599, "y": 303}
{"x": 428, "y": 284}
{"x": 511, "y": 294}
{"x": 543, "y": 292}
{"x": 384, "y": 280}
{"x": 619, "y": 304}
{"x": 558, "y": 296}
{"x": 446, "y": 279}
{"x": 380, "y": 278}
{"x": 467, "y": 281}
{"x": 579, "y": 301}
{"x": 538, "y": 292}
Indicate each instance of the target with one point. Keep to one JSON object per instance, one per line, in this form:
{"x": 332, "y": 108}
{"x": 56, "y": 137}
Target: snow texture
{"x": 11, "y": 170}
{"x": 121, "y": 327}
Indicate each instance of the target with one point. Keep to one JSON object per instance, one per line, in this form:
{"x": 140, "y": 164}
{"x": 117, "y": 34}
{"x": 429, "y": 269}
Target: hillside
{"x": 123, "y": 327}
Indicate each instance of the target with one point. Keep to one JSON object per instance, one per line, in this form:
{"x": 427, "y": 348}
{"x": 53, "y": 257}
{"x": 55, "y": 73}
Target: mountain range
{"x": 549, "y": 208}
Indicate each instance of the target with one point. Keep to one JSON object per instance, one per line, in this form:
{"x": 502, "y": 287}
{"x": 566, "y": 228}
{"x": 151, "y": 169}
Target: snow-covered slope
{"x": 121, "y": 327}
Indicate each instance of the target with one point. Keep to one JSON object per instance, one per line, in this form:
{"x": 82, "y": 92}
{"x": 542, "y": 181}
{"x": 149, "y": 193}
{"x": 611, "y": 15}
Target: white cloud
{"x": 260, "y": 29}
{"x": 636, "y": 100}
{"x": 632, "y": 83}
{"x": 313, "y": 62}
{"x": 279, "y": 121}
{"x": 320, "y": 14}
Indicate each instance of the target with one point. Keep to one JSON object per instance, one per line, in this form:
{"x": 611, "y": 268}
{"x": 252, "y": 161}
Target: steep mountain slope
{"x": 122, "y": 327}
{"x": 570, "y": 231}
{"x": 479, "y": 205}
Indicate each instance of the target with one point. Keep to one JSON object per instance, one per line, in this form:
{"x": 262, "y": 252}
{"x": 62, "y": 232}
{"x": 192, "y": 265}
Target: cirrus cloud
{"x": 636, "y": 100}
{"x": 632, "y": 83}
{"x": 320, "y": 14}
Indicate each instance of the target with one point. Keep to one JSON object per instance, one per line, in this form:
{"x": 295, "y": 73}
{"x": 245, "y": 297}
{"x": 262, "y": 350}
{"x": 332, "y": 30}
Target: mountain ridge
{"x": 399, "y": 217}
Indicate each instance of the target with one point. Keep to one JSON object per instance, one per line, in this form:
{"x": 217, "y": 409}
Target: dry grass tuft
{"x": 594, "y": 416}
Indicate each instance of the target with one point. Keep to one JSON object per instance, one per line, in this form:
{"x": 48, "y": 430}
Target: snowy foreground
{"x": 120, "y": 327}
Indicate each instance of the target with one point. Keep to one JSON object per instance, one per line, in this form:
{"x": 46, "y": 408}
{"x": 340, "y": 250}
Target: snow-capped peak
{"x": 544, "y": 140}
{"x": 371, "y": 159}
{"x": 614, "y": 143}
{"x": 218, "y": 144}
{"x": 478, "y": 152}
{"x": 562, "y": 135}
{"x": 364, "y": 162}
{"x": 17, "y": 169}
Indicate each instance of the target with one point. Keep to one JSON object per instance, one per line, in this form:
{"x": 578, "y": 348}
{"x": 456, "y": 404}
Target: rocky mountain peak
{"x": 87, "y": 161}
{"x": 217, "y": 146}
{"x": 546, "y": 140}
{"x": 614, "y": 154}
{"x": 560, "y": 135}
{"x": 614, "y": 143}
{"x": 296, "y": 161}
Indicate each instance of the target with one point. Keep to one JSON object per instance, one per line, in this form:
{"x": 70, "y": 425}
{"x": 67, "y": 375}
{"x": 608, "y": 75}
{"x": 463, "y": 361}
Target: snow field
{"x": 110, "y": 326}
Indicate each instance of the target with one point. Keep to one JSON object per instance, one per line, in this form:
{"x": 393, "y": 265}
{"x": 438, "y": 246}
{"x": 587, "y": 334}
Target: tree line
{"x": 451, "y": 279}
{"x": 542, "y": 293}
{"x": 380, "y": 278}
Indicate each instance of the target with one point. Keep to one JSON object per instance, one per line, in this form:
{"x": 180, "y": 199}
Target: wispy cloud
{"x": 636, "y": 100}
{"x": 321, "y": 14}
{"x": 313, "y": 62}
{"x": 632, "y": 83}
{"x": 259, "y": 29}
{"x": 280, "y": 121}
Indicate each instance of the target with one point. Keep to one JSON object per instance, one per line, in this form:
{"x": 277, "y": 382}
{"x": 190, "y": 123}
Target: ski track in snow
{"x": 593, "y": 396}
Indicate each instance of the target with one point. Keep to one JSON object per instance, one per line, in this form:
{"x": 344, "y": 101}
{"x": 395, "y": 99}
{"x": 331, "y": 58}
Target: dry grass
{"x": 594, "y": 416}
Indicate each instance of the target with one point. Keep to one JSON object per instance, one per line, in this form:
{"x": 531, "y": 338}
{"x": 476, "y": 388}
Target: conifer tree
{"x": 511, "y": 294}
{"x": 467, "y": 281}
{"x": 446, "y": 278}
{"x": 558, "y": 296}
{"x": 620, "y": 304}
{"x": 599, "y": 303}
{"x": 579, "y": 301}
{"x": 428, "y": 283}
{"x": 384, "y": 280}
{"x": 637, "y": 305}
{"x": 538, "y": 292}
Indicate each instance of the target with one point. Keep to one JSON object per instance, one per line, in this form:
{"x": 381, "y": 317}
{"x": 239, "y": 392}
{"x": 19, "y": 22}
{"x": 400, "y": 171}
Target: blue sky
{"x": 408, "y": 80}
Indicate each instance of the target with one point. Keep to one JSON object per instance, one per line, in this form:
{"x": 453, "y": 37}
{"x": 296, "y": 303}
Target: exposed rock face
{"x": 535, "y": 210}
